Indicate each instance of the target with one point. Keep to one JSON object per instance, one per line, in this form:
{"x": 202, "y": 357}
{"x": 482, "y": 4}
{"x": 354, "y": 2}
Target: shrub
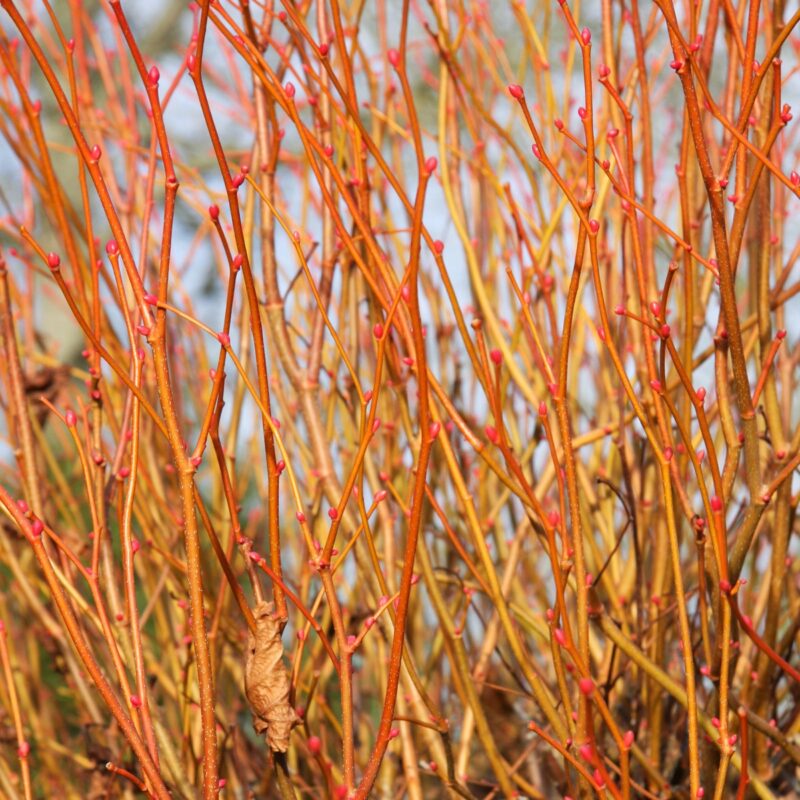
{"x": 398, "y": 400}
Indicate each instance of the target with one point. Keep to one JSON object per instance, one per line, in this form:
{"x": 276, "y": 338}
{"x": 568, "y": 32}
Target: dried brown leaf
{"x": 266, "y": 680}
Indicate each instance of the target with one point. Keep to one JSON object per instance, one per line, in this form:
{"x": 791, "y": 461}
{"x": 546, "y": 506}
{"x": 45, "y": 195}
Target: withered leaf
{"x": 266, "y": 681}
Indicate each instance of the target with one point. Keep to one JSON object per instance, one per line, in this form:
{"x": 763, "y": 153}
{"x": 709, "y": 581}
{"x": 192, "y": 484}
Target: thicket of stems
{"x": 464, "y": 333}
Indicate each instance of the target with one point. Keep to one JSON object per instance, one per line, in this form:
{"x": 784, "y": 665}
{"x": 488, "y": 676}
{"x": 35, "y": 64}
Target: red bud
{"x": 627, "y": 739}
